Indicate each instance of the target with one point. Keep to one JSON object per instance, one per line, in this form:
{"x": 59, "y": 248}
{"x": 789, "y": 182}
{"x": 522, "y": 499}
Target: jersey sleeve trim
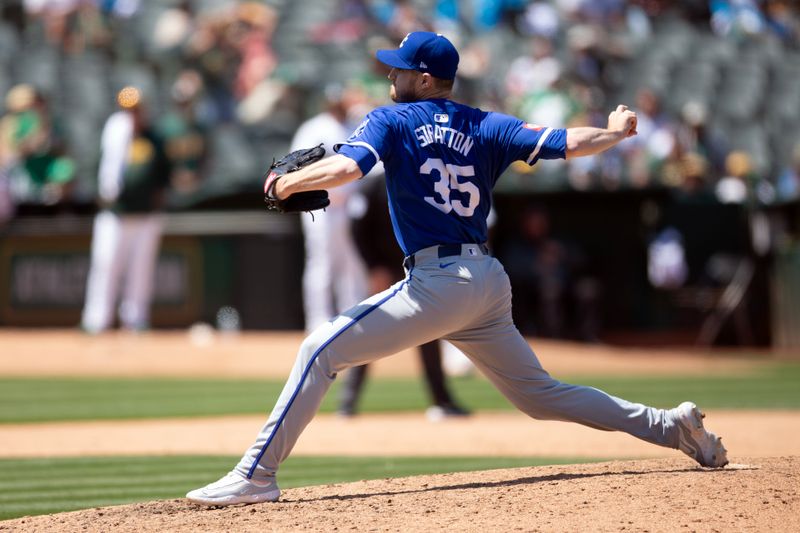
{"x": 539, "y": 144}
{"x": 362, "y": 144}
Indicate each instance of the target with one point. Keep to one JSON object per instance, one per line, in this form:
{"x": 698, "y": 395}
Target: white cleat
{"x": 235, "y": 489}
{"x": 693, "y": 439}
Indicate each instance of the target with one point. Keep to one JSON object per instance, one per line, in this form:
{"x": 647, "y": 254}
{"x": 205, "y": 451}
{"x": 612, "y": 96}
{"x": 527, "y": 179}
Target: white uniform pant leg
{"x": 396, "y": 319}
{"x": 143, "y": 233}
{"x": 349, "y": 271}
{"x": 317, "y": 277}
{"x": 505, "y": 357}
{"x": 105, "y": 270}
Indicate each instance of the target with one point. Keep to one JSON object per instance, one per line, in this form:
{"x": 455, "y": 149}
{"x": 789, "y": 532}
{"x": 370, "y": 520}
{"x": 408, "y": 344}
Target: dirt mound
{"x": 654, "y": 495}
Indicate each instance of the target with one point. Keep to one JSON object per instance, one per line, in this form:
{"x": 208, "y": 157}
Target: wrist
{"x": 274, "y": 186}
{"x": 617, "y": 134}
{"x": 279, "y": 190}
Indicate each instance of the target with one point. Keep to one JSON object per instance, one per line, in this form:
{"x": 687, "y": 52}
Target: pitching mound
{"x": 654, "y": 495}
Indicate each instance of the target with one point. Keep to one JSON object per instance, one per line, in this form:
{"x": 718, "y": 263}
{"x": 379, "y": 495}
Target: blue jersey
{"x": 442, "y": 160}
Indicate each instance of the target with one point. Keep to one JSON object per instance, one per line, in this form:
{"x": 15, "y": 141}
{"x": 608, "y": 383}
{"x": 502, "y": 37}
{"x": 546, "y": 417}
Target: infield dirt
{"x": 271, "y": 355}
{"x": 758, "y": 494}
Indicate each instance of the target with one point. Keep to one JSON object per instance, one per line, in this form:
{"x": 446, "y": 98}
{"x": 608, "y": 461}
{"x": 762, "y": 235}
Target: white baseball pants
{"x": 334, "y": 277}
{"x": 124, "y": 248}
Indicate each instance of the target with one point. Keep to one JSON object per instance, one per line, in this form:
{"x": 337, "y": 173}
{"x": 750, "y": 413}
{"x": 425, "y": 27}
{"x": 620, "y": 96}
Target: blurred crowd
{"x": 716, "y": 85}
{"x": 223, "y": 86}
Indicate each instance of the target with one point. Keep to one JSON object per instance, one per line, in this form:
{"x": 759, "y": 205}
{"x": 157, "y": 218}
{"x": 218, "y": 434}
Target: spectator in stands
{"x": 536, "y": 70}
{"x": 695, "y": 135}
{"x": 122, "y": 18}
{"x": 586, "y": 53}
{"x": 372, "y": 81}
{"x": 32, "y": 151}
{"x": 229, "y": 44}
{"x": 593, "y": 12}
{"x": 251, "y": 36}
{"x": 542, "y": 19}
{"x": 89, "y": 29}
{"x": 736, "y": 18}
{"x": 8, "y": 152}
{"x": 400, "y": 18}
{"x": 655, "y": 142}
{"x": 71, "y": 25}
{"x": 53, "y": 15}
{"x": 132, "y": 179}
{"x": 123, "y": 9}
{"x": 734, "y": 187}
{"x": 690, "y": 176}
{"x": 185, "y": 137}
{"x": 783, "y": 20}
{"x": 604, "y": 35}
{"x": 552, "y": 104}
{"x": 742, "y": 184}
{"x": 350, "y": 23}
{"x": 558, "y": 104}
{"x": 173, "y": 27}
{"x": 487, "y": 15}
{"x": 261, "y": 96}
{"x": 211, "y": 53}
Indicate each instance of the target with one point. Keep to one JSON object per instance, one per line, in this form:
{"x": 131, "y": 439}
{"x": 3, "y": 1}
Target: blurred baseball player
{"x": 442, "y": 160}
{"x": 132, "y": 180}
{"x": 334, "y": 277}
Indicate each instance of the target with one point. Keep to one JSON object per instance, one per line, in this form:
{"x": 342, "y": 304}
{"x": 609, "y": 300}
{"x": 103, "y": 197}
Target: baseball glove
{"x": 299, "y": 201}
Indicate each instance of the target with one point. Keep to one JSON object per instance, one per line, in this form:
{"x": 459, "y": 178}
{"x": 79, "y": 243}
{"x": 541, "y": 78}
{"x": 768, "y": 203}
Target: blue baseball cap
{"x": 424, "y": 51}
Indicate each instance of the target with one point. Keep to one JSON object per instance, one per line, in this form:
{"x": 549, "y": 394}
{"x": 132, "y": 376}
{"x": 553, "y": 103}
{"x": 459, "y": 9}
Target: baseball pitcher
{"x": 442, "y": 160}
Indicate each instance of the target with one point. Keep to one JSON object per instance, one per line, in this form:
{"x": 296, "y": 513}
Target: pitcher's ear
{"x": 426, "y": 80}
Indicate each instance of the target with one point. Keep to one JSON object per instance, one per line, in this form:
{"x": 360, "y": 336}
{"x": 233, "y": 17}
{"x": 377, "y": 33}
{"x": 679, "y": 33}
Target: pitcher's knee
{"x": 313, "y": 343}
{"x": 317, "y": 346}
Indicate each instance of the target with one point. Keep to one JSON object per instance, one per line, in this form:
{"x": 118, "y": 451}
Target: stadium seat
{"x": 709, "y": 48}
{"x": 783, "y": 100}
{"x": 82, "y": 135}
{"x": 9, "y": 44}
{"x": 693, "y": 81}
{"x": 673, "y": 39}
{"x": 764, "y": 50}
{"x": 233, "y": 159}
{"x": 742, "y": 91}
{"x": 39, "y": 66}
{"x": 784, "y": 137}
{"x": 86, "y": 88}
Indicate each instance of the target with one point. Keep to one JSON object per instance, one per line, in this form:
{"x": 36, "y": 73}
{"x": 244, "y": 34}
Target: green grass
{"x": 40, "y": 486}
{"x": 38, "y": 400}
{"x": 43, "y": 486}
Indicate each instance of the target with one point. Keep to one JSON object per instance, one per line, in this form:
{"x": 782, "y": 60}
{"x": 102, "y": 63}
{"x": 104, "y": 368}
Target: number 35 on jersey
{"x": 449, "y": 180}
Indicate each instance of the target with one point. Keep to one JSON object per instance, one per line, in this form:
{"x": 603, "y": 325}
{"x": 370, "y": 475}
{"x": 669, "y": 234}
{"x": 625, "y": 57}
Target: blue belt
{"x": 445, "y": 250}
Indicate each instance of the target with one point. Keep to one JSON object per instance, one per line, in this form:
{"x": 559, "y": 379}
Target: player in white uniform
{"x": 132, "y": 177}
{"x": 442, "y": 159}
{"x": 334, "y": 278}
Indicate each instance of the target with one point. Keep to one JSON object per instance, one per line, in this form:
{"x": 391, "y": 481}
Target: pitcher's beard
{"x": 400, "y": 98}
